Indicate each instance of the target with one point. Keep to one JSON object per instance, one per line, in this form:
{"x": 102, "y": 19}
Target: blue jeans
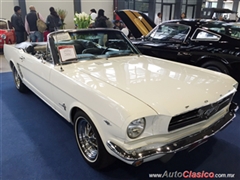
{"x": 19, "y": 37}
{"x": 36, "y": 36}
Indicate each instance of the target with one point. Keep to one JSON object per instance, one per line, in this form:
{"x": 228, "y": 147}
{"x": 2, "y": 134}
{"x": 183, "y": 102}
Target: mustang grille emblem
{"x": 205, "y": 114}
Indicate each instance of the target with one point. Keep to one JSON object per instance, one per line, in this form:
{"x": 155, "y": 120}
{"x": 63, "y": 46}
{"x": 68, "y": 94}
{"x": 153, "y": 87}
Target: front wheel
{"x": 90, "y": 143}
{"x": 216, "y": 66}
{"x": 18, "y": 82}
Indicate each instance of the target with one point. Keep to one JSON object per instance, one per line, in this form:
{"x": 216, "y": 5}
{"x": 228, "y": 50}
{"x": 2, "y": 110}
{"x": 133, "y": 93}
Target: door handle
{"x": 183, "y": 54}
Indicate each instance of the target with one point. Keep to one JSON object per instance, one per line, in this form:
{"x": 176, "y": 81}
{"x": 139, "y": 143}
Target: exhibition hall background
{"x": 171, "y": 9}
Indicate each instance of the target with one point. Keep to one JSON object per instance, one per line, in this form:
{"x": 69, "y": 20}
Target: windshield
{"x": 235, "y": 31}
{"x": 232, "y": 30}
{"x": 3, "y": 25}
{"x": 75, "y": 46}
{"x": 169, "y": 32}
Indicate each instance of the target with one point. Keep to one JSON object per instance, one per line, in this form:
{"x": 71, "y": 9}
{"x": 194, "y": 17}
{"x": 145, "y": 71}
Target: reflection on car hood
{"x": 166, "y": 86}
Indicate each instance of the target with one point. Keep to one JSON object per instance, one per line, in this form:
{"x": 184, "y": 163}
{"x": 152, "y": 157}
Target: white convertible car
{"x": 123, "y": 104}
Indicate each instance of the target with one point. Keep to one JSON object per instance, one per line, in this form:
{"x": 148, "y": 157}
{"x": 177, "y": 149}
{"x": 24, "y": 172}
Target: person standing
{"x": 17, "y": 23}
{"x": 158, "y": 19}
{"x": 101, "y": 20}
{"x": 116, "y": 17}
{"x": 183, "y": 15}
{"x": 117, "y": 25}
{"x": 93, "y": 14}
{"x": 31, "y": 25}
{"x": 53, "y": 20}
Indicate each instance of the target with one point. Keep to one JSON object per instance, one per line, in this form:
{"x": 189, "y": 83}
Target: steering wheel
{"x": 105, "y": 50}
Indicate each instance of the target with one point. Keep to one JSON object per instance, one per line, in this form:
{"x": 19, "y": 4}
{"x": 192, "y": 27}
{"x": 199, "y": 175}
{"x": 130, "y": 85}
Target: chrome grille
{"x": 199, "y": 114}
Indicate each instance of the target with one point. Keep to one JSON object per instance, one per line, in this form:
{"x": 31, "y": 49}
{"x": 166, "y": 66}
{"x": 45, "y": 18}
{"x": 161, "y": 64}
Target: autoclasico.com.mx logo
{"x": 191, "y": 174}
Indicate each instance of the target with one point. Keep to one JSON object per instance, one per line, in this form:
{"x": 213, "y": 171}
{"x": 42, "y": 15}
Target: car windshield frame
{"x": 5, "y": 22}
{"x": 71, "y": 46}
{"x": 154, "y": 31}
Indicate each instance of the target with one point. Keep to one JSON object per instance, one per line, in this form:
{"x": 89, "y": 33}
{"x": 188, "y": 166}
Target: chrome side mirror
{"x": 142, "y": 37}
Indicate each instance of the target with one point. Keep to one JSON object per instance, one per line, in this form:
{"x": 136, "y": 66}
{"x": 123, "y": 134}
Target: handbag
{"x": 41, "y": 25}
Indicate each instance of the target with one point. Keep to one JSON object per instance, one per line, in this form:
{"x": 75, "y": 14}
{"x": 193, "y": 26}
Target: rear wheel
{"x": 90, "y": 143}
{"x": 17, "y": 80}
{"x": 216, "y": 66}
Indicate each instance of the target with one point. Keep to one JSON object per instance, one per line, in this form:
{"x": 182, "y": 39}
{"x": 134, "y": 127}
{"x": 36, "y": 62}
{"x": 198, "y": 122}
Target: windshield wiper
{"x": 120, "y": 54}
{"x": 71, "y": 60}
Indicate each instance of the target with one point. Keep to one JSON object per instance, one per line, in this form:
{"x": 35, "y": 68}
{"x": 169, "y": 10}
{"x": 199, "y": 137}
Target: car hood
{"x": 137, "y": 22}
{"x": 170, "y": 88}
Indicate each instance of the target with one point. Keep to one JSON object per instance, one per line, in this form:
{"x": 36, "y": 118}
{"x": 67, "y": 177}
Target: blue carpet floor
{"x": 37, "y": 144}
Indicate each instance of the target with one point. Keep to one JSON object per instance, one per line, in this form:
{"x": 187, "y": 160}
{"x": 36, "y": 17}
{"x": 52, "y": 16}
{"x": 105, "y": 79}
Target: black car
{"x": 209, "y": 44}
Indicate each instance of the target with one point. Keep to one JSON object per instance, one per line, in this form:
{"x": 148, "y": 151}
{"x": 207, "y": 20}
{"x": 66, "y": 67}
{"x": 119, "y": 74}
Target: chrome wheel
{"x": 18, "y": 82}
{"x": 89, "y": 142}
{"x": 87, "y": 139}
{"x": 17, "y": 79}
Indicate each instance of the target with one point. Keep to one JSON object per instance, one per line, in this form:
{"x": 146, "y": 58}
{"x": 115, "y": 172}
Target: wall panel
{"x": 6, "y": 8}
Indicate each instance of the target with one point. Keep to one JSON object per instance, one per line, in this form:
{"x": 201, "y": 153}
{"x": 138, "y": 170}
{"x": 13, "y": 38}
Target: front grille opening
{"x": 198, "y": 115}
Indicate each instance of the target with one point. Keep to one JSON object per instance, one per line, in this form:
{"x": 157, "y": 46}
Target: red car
{"x": 7, "y": 33}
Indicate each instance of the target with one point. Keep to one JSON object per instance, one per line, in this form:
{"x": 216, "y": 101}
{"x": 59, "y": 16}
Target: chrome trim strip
{"x": 210, "y": 40}
{"x": 181, "y": 144}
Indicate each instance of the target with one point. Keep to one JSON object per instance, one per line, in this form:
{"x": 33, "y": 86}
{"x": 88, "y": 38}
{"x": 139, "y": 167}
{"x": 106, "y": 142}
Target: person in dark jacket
{"x": 18, "y": 25}
{"x": 53, "y": 20}
{"x": 31, "y": 25}
{"x": 100, "y": 21}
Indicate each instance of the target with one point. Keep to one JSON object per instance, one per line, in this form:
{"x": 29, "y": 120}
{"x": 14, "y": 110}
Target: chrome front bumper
{"x": 137, "y": 156}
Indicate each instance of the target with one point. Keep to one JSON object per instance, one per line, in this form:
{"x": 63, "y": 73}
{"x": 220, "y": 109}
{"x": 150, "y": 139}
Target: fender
{"x": 104, "y": 129}
{"x": 202, "y": 59}
{"x": 17, "y": 67}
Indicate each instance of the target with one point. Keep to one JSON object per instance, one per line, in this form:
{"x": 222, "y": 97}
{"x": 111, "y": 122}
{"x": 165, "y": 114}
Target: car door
{"x": 206, "y": 43}
{"x": 36, "y": 74}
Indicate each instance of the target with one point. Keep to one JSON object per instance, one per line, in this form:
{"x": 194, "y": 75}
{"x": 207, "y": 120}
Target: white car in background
{"x": 123, "y": 104}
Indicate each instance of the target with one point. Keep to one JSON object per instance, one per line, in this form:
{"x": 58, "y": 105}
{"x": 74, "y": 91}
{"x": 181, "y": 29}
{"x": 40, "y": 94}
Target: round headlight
{"x": 136, "y": 128}
{"x": 3, "y": 36}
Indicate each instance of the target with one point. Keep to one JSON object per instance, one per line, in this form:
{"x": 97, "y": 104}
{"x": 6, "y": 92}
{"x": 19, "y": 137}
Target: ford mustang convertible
{"x": 122, "y": 104}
